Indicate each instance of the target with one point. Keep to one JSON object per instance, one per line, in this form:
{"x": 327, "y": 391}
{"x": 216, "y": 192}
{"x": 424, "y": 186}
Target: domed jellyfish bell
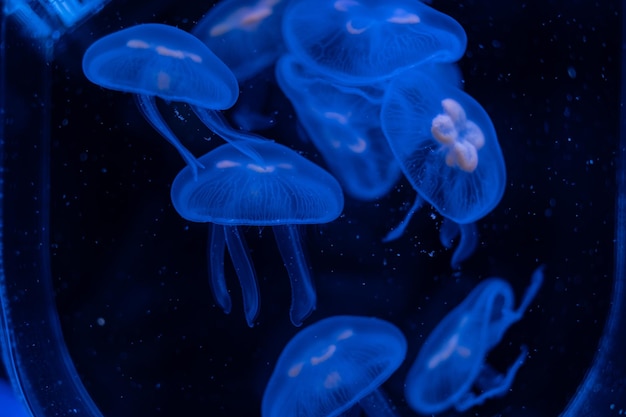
{"x": 357, "y": 41}
{"x": 245, "y": 34}
{"x": 234, "y": 190}
{"x": 446, "y": 145}
{"x": 155, "y": 60}
{"x": 452, "y": 360}
{"x": 344, "y": 124}
{"x": 333, "y": 365}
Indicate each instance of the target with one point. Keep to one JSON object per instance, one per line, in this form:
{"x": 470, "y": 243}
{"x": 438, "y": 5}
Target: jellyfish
{"x": 344, "y": 124}
{"x": 357, "y": 41}
{"x": 333, "y": 365}
{"x": 446, "y": 145}
{"x": 452, "y": 360}
{"x": 155, "y": 60}
{"x": 283, "y": 192}
{"x": 252, "y": 25}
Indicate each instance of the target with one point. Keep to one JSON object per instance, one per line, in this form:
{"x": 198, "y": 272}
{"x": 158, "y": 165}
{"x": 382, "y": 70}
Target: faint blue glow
{"x": 50, "y": 18}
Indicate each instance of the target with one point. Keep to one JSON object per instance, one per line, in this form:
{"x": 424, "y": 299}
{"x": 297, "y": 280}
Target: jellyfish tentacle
{"x": 215, "y": 249}
{"x": 535, "y": 283}
{"x": 214, "y": 120}
{"x": 238, "y": 251}
{"x": 493, "y": 384}
{"x": 467, "y": 244}
{"x": 303, "y": 296}
{"x": 376, "y": 404}
{"x": 398, "y": 231}
{"x": 147, "y": 106}
{"x": 448, "y": 231}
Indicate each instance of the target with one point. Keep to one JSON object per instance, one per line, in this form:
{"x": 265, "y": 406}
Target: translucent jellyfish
{"x": 234, "y": 190}
{"x": 155, "y": 60}
{"x": 357, "y": 41}
{"x": 344, "y": 124}
{"x": 333, "y": 365}
{"x": 446, "y": 145}
{"x": 252, "y": 25}
{"x": 452, "y": 360}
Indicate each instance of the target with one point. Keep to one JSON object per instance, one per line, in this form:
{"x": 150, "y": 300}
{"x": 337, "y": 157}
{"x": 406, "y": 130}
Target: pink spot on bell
{"x": 194, "y": 57}
{"x": 227, "y": 163}
{"x": 316, "y": 360}
{"x": 454, "y": 110}
{"x": 295, "y": 370}
{"x": 402, "y": 17}
{"x": 466, "y": 156}
{"x": 445, "y": 352}
{"x": 338, "y": 117}
{"x": 332, "y": 380}
{"x": 137, "y": 44}
{"x": 355, "y": 31}
{"x": 359, "y": 146}
{"x": 173, "y": 53}
{"x": 474, "y": 135}
{"x": 346, "y": 334}
{"x": 344, "y": 5}
{"x": 443, "y": 129}
{"x": 245, "y": 18}
{"x": 261, "y": 169}
{"x": 163, "y": 81}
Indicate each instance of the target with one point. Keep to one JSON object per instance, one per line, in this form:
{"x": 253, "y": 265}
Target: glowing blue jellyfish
{"x": 245, "y": 34}
{"x": 154, "y": 60}
{"x": 344, "y": 124}
{"x": 357, "y": 41}
{"x": 234, "y": 190}
{"x": 452, "y": 360}
{"x": 446, "y": 146}
{"x": 333, "y": 365}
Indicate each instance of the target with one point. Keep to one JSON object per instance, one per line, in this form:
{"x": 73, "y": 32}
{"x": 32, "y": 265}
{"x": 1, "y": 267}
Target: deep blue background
{"x": 546, "y": 72}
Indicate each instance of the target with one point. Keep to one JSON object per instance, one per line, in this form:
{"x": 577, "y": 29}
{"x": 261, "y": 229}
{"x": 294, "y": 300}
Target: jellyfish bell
{"x": 284, "y": 191}
{"x": 159, "y": 60}
{"x": 333, "y": 365}
{"x": 252, "y": 25}
{"x": 452, "y": 359}
{"x": 344, "y": 124}
{"x": 155, "y": 60}
{"x": 446, "y": 145}
{"x": 358, "y": 41}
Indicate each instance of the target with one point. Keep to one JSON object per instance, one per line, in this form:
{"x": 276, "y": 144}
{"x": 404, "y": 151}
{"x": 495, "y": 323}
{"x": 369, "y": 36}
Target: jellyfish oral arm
{"x": 535, "y": 283}
{"x": 303, "y": 296}
{"x": 398, "y": 231}
{"x": 148, "y": 108}
{"x": 467, "y": 243}
{"x": 214, "y": 120}
{"x": 238, "y": 251}
{"x": 215, "y": 248}
{"x": 491, "y": 384}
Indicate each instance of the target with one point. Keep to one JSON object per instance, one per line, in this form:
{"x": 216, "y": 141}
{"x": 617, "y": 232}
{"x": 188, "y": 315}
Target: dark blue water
{"x": 87, "y": 209}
